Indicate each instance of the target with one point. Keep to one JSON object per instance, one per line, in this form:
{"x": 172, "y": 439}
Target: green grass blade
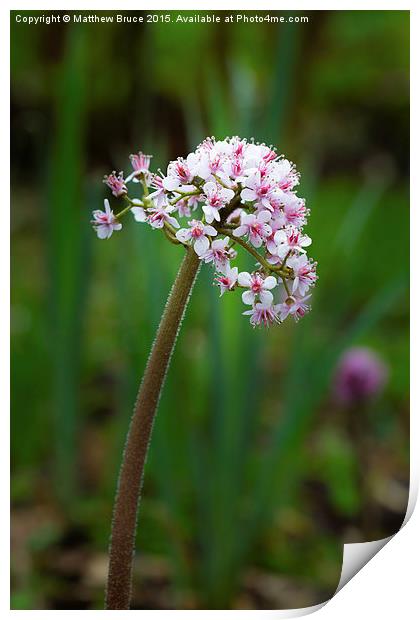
{"x": 68, "y": 229}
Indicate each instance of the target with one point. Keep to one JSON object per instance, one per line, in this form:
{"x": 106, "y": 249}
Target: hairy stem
{"x": 131, "y": 474}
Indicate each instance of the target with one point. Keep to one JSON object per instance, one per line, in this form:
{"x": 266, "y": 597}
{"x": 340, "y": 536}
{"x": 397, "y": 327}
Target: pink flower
{"x": 361, "y": 374}
{"x": 159, "y": 215}
{"x": 116, "y": 184}
{"x": 258, "y": 190}
{"x": 289, "y": 209}
{"x": 197, "y": 235}
{"x": 140, "y": 163}
{"x": 238, "y": 146}
{"x": 235, "y": 168}
{"x": 273, "y": 259}
{"x": 158, "y": 197}
{"x": 183, "y": 208}
{"x": 206, "y": 145}
{"x": 216, "y": 198}
{"x": 268, "y": 154}
{"x": 294, "y": 210}
{"x": 291, "y": 239}
{"x": 219, "y": 254}
{"x": 263, "y": 314}
{"x": 295, "y": 306}
{"x": 227, "y": 280}
{"x": 255, "y": 226}
{"x": 188, "y": 204}
{"x": 276, "y": 223}
{"x": 258, "y": 287}
{"x": 304, "y": 273}
{"x": 105, "y": 222}
{"x": 284, "y": 174}
{"x": 181, "y": 172}
{"x": 211, "y": 163}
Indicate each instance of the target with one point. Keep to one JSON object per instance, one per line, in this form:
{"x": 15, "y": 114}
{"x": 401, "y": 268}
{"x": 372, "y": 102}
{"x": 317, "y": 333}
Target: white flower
{"x": 116, "y": 184}
{"x": 289, "y": 239}
{"x": 105, "y": 222}
{"x": 211, "y": 162}
{"x": 304, "y": 273}
{"x": 216, "y": 198}
{"x": 227, "y": 280}
{"x": 258, "y": 287}
{"x": 295, "y": 306}
{"x": 219, "y": 254}
{"x": 197, "y": 235}
{"x": 140, "y": 163}
{"x": 263, "y": 314}
{"x": 284, "y": 174}
{"x": 182, "y": 172}
{"x": 255, "y": 226}
{"x": 159, "y": 215}
{"x": 294, "y": 210}
{"x": 158, "y": 197}
{"x": 258, "y": 190}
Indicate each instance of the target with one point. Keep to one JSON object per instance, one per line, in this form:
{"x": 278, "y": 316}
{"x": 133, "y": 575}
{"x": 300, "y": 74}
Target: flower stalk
{"x": 131, "y": 473}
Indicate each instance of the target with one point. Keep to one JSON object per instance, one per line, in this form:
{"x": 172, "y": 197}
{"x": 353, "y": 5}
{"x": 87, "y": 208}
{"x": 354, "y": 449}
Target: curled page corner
{"x": 355, "y": 557}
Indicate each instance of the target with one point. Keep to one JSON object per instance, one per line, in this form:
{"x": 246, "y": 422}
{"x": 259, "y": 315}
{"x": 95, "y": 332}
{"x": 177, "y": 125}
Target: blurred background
{"x": 258, "y": 471}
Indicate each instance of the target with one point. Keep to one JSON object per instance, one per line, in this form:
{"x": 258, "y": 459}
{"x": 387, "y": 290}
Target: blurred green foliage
{"x": 252, "y": 472}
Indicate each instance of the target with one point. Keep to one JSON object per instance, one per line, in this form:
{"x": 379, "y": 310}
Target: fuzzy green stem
{"x": 131, "y": 474}
{"x": 184, "y": 195}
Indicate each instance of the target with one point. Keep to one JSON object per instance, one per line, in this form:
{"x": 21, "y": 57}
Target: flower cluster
{"x": 228, "y": 194}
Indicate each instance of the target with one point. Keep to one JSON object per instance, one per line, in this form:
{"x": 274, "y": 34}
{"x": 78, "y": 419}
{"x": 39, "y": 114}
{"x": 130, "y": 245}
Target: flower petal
{"x": 240, "y": 231}
{"x": 173, "y": 221}
{"x": 248, "y": 297}
{"x": 280, "y": 237}
{"x": 264, "y": 216}
{"x": 210, "y": 188}
{"x": 256, "y": 241}
{"x": 183, "y": 235}
{"x": 104, "y": 231}
{"x": 244, "y": 278}
{"x": 270, "y": 282}
{"x": 209, "y": 214}
{"x": 266, "y": 298}
{"x": 170, "y": 183}
{"x": 201, "y": 245}
{"x": 227, "y": 194}
{"x": 248, "y": 195}
{"x": 139, "y": 214}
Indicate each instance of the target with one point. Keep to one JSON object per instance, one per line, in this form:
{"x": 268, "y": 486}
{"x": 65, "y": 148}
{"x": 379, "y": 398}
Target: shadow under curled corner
{"x": 355, "y": 557}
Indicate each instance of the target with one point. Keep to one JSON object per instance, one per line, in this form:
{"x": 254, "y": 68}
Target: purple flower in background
{"x": 361, "y": 374}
